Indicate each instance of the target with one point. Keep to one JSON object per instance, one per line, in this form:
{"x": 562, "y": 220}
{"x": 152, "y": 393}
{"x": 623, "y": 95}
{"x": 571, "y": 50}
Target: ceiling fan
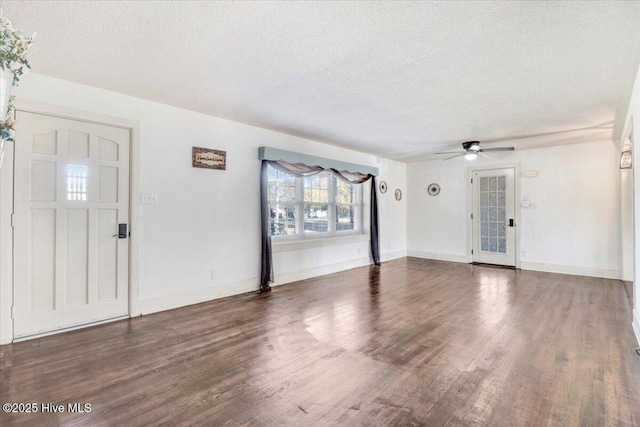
{"x": 471, "y": 150}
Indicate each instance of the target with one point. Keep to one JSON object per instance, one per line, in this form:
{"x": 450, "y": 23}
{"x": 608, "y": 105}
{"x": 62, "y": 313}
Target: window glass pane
{"x": 345, "y": 217}
{"x": 501, "y": 213}
{"x": 484, "y": 199}
{"x": 493, "y": 229}
{"x": 484, "y": 229}
{"x": 345, "y": 192}
{"x": 316, "y": 188}
{"x": 502, "y": 246}
{"x": 502, "y": 183}
{"x": 493, "y": 183}
{"x": 77, "y": 182}
{"x": 484, "y": 214}
{"x": 282, "y": 186}
{"x": 316, "y": 217}
{"x": 282, "y": 219}
{"x": 484, "y": 184}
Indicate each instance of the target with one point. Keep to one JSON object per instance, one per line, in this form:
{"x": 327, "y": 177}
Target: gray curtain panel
{"x": 266, "y": 269}
{"x": 302, "y": 170}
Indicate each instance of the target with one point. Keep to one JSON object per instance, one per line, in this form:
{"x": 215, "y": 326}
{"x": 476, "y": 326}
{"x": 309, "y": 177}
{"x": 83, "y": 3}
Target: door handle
{"x": 122, "y": 231}
{"x": 511, "y": 222}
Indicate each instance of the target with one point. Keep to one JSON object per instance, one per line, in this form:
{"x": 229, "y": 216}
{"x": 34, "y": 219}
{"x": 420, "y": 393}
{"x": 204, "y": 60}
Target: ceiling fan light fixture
{"x": 470, "y": 156}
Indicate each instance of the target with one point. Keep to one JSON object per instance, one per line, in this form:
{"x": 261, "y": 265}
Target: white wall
{"x": 633, "y": 115}
{"x": 207, "y": 219}
{"x": 574, "y": 227}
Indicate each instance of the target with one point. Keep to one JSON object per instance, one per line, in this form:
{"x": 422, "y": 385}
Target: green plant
{"x": 6, "y": 127}
{"x": 13, "y": 50}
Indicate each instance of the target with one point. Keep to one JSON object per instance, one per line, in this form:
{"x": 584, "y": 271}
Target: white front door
{"x": 71, "y": 192}
{"x": 494, "y": 236}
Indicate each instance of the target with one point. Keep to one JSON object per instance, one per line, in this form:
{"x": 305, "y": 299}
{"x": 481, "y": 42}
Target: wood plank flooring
{"x": 414, "y": 342}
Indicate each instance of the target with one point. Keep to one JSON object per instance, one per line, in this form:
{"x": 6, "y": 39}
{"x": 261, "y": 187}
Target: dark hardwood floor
{"x": 415, "y": 342}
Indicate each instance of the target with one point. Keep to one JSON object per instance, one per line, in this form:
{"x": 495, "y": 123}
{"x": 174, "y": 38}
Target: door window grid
{"x": 493, "y": 214}
{"x": 77, "y": 182}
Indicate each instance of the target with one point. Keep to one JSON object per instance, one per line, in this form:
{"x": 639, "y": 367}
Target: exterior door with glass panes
{"x": 494, "y": 236}
{"x": 71, "y": 204}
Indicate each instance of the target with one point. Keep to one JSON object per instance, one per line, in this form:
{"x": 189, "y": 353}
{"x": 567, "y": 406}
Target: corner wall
{"x": 572, "y": 227}
{"x": 633, "y": 115}
{"x": 208, "y": 220}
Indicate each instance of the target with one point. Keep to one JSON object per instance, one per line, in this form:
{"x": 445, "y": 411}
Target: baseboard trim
{"x": 196, "y": 296}
{"x": 393, "y": 255}
{"x": 439, "y": 257}
{"x": 605, "y": 273}
{"x": 20, "y": 338}
{"x": 635, "y": 324}
{"x": 308, "y": 273}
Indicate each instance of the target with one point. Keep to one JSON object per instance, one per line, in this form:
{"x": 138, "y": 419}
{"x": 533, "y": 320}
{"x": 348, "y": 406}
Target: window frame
{"x": 331, "y": 232}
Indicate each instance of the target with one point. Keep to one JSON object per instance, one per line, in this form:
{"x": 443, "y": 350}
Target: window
{"x": 320, "y": 205}
{"x": 77, "y": 182}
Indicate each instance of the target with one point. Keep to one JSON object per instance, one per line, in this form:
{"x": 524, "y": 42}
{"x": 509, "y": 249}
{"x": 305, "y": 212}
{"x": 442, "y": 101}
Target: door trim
{"x": 516, "y": 177}
{"x": 6, "y": 208}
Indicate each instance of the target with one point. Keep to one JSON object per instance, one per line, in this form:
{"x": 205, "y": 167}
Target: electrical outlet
{"x": 148, "y": 199}
{"x": 214, "y": 274}
{"x": 359, "y": 251}
{"x": 524, "y": 254}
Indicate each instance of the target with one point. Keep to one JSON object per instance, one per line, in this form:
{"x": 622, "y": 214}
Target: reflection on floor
{"x": 412, "y": 342}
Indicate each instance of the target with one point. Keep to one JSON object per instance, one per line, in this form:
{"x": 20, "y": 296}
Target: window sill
{"x": 294, "y": 245}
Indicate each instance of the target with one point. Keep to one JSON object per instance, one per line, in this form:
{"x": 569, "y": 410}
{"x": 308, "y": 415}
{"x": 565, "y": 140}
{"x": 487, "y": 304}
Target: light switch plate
{"x": 148, "y": 199}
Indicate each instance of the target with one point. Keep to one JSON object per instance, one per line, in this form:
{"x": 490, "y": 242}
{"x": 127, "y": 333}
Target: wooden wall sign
{"x": 209, "y": 159}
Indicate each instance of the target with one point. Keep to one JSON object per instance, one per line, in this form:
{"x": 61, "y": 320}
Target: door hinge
{"x": 472, "y": 180}
{"x": 471, "y": 216}
{"x": 12, "y": 220}
{"x": 471, "y": 251}
{"x": 13, "y": 311}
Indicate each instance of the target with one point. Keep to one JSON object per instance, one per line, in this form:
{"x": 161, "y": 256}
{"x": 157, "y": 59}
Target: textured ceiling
{"x": 399, "y": 80}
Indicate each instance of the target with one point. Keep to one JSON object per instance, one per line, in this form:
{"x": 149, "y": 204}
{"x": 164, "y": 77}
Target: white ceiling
{"x": 399, "y": 80}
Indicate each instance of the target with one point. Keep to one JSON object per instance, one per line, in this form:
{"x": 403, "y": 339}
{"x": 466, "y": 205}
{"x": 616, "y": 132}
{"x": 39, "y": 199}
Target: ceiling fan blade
{"x": 498, "y": 149}
{"x": 457, "y": 155}
{"x": 449, "y": 152}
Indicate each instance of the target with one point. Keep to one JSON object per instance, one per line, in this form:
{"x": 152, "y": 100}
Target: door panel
{"x": 494, "y": 217}
{"x": 71, "y": 192}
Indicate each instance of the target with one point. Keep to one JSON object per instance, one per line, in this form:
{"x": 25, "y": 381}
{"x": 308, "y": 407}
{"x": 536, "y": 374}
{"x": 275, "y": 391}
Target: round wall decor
{"x": 383, "y": 187}
{"x": 434, "y": 189}
{"x": 398, "y": 194}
